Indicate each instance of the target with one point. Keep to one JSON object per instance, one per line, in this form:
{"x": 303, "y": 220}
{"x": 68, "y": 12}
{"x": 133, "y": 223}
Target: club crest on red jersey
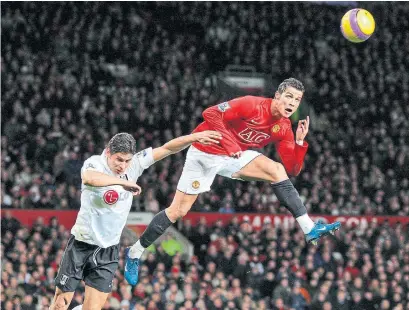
{"x": 111, "y": 197}
{"x": 276, "y": 128}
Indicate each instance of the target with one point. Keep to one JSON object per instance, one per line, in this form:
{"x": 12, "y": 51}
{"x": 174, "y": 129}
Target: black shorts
{"x": 91, "y": 263}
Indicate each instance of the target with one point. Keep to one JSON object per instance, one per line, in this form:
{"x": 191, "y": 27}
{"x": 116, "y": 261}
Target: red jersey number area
{"x": 111, "y": 197}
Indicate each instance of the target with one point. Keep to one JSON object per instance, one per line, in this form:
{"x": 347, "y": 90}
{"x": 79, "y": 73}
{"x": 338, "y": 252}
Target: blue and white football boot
{"x": 131, "y": 268}
{"x": 320, "y": 229}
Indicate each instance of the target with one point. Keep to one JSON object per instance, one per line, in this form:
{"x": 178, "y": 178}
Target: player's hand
{"x": 236, "y": 155}
{"x": 302, "y": 129}
{"x": 134, "y": 188}
{"x": 208, "y": 137}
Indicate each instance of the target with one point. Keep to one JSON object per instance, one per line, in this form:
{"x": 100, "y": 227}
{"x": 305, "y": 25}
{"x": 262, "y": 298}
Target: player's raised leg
{"x": 262, "y": 168}
{"x": 198, "y": 174}
{"x": 61, "y": 300}
{"x": 180, "y": 206}
{"x": 94, "y": 299}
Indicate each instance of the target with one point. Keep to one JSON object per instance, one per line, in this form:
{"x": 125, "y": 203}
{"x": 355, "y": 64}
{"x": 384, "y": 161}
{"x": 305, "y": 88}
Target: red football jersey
{"x": 247, "y": 122}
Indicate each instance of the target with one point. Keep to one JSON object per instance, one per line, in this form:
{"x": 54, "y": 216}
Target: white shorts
{"x": 201, "y": 168}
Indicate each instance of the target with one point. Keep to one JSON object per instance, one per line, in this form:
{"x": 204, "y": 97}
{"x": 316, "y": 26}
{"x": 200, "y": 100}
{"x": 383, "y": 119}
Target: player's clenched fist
{"x": 132, "y": 187}
{"x": 236, "y": 155}
{"x": 302, "y": 129}
{"x": 208, "y": 137}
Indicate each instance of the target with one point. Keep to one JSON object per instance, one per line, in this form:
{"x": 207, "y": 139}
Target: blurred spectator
{"x": 9, "y": 223}
{"x": 298, "y": 301}
{"x": 227, "y": 208}
{"x": 283, "y": 291}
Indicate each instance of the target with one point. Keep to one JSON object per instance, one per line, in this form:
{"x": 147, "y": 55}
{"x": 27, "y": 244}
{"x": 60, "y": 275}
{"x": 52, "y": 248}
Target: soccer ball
{"x": 357, "y": 25}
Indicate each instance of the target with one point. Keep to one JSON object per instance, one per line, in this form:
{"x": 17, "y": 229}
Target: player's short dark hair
{"x": 122, "y": 143}
{"x": 291, "y": 82}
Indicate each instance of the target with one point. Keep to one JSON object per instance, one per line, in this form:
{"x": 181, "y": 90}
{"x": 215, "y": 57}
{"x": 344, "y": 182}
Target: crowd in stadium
{"x": 74, "y": 74}
{"x": 235, "y": 267}
{"x": 61, "y": 104}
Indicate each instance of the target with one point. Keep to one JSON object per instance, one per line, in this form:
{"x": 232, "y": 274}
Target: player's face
{"x": 289, "y": 101}
{"x": 119, "y": 162}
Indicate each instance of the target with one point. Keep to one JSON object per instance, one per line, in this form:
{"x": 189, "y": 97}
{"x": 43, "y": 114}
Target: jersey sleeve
{"x": 217, "y": 117}
{"x": 291, "y": 154}
{"x": 141, "y": 161}
{"x": 93, "y": 163}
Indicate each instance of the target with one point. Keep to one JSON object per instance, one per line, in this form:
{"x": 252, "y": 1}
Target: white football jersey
{"x": 104, "y": 210}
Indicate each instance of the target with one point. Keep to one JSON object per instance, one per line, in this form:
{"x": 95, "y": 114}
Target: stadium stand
{"x": 235, "y": 267}
{"x": 61, "y": 101}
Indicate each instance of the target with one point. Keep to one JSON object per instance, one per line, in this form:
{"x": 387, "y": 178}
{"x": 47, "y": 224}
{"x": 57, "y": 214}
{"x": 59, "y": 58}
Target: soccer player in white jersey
{"x": 108, "y": 185}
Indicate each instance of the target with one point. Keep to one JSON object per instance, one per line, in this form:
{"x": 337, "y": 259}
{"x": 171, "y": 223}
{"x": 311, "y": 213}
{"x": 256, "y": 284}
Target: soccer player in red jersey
{"x": 245, "y": 122}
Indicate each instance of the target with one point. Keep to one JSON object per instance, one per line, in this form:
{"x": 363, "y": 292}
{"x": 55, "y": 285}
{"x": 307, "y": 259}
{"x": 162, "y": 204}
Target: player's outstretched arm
{"x": 99, "y": 179}
{"x": 178, "y": 144}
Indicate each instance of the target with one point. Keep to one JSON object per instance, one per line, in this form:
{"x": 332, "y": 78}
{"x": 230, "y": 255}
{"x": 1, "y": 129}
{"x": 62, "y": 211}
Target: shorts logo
{"x": 276, "y": 128}
{"x": 63, "y": 280}
{"x": 196, "y": 184}
{"x": 223, "y": 106}
{"x": 111, "y": 197}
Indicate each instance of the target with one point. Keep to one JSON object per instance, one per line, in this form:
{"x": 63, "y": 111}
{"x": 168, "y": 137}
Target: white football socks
{"x": 306, "y": 223}
{"x": 77, "y": 307}
{"x": 136, "y": 250}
